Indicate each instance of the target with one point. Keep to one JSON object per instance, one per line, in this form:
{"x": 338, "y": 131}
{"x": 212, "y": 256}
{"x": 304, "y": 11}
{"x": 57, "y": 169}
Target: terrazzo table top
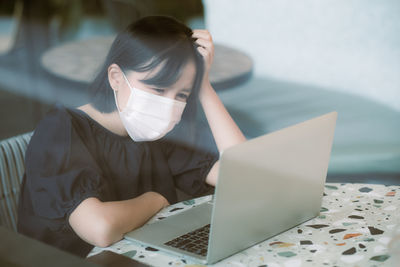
{"x": 355, "y": 227}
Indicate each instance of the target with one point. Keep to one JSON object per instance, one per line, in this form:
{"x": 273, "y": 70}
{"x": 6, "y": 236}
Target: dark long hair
{"x": 143, "y": 46}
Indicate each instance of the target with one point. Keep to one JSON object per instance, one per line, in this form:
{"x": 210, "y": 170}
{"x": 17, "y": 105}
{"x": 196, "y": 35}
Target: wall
{"x": 345, "y": 45}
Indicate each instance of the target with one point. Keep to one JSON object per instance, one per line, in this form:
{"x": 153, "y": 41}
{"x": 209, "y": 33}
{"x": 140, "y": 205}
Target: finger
{"x": 202, "y": 34}
{"x": 204, "y": 43}
{"x": 208, "y": 57}
{"x": 203, "y": 52}
{"x": 201, "y": 31}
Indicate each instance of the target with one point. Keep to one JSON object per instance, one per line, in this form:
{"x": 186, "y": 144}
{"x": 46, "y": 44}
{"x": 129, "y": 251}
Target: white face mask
{"x": 148, "y": 117}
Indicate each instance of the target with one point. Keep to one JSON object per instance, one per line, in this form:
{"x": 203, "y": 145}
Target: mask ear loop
{"x": 116, "y": 100}
{"x": 115, "y": 94}
{"x": 126, "y": 80}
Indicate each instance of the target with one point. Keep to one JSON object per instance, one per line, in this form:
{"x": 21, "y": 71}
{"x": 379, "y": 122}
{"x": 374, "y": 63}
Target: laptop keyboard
{"x": 195, "y": 242}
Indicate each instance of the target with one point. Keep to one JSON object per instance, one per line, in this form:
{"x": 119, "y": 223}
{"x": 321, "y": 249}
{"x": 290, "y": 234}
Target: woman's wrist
{"x": 206, "y": 88}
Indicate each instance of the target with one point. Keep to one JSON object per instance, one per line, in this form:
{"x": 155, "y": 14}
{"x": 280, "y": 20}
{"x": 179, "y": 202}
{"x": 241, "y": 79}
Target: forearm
{"x": 130, "y": 214}
{"x": 225, "y": 131}
{"x": 103, "y": 223}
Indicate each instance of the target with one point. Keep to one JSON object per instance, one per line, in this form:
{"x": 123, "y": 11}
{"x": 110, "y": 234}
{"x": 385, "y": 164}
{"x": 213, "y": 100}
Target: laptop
{"x": 265, "y": 186}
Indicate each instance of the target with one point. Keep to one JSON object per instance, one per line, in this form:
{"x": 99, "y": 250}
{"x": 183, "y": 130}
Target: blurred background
{"x": 306, "y": 58}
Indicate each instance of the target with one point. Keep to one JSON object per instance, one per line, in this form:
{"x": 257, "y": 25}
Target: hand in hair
{"x": 206, "y": 49}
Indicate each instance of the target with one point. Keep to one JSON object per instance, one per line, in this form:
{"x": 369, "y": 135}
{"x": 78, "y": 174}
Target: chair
{"x": 12, "y": 167}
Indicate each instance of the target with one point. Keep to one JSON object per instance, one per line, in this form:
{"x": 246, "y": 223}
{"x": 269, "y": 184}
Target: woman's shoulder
{"x": 54, "y": 126}
{"x": 50, "y": 139}
{"x": 60, "y": 119}
{"x": 56, "y": 120}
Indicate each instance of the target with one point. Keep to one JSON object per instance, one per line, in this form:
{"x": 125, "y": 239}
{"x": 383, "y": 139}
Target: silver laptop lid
{"x": 276, "y": 181}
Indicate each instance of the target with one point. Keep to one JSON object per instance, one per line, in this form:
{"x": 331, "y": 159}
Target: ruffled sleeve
{"x": 60, "y": 172}
{"x": 190, "y": 165}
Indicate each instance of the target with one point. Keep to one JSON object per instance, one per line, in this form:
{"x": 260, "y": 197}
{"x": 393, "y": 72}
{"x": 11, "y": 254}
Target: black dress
{"x": 72, "y": 157}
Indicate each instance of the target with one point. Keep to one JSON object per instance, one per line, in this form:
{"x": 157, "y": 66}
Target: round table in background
{"x": 79, "y": 61}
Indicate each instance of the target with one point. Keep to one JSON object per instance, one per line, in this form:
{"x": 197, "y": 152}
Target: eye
{"x": 158, "y": 91}
{"x": 183, "y": 96}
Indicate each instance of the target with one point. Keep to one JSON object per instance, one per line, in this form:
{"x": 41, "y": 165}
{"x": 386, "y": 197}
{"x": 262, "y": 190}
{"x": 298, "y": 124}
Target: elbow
{"x": 212, "y": 175}
{"x": 89, "y": 222}
{"x": 102, "y": 242}
{"x": 105, "y": 234}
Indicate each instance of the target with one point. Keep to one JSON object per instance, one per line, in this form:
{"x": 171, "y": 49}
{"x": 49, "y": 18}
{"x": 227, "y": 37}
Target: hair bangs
{"x": 170, "y": 62}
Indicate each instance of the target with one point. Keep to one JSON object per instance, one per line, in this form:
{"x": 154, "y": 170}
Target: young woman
{"x": 103, "y": 169}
